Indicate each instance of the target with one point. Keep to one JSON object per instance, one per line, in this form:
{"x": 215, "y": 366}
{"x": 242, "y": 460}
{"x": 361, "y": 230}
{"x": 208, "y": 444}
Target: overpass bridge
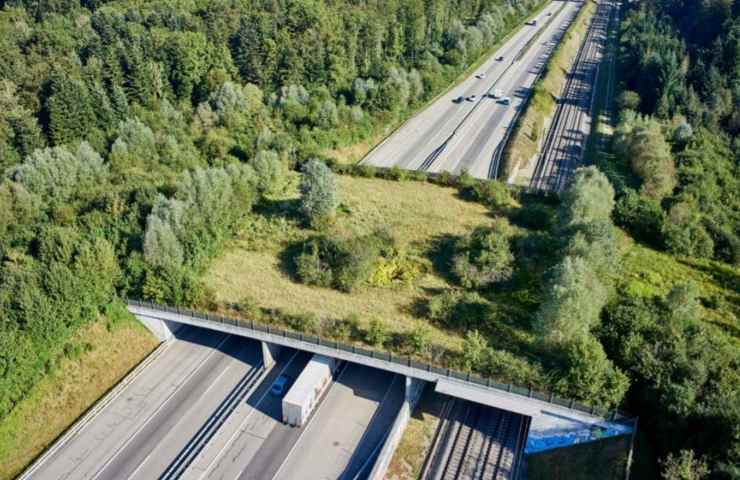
{"x": 548, "y": 412}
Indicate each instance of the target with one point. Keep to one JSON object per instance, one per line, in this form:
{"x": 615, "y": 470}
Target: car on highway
{"x": 471, "y": 98}
{"x": 549, "y": 14}
{"x": 481, "y": 75}
{"x": 505, "y": 101}
{"x": 500, "y": 58}
{"x": 278, "y": 388}
{"x": 497, "y": 93}
{"x": 458, "y": 99}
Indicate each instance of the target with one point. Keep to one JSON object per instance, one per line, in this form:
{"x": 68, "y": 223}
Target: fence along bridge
{"x": 524, "y": 401}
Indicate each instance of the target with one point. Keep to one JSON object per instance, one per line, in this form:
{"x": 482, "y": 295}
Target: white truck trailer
{"x": 307, "y": 390}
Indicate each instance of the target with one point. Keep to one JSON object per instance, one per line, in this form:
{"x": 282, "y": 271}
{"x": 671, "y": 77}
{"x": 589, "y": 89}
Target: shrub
{"x": 642, "y": 217}
{"x": 318, "y": 192}
{"x": 491, "y": 193}
{"x": 377, "y": 333}
{"x": 535, "y": 216}
{"x": 342, "y": 264}
{"x": 249, "y": 308}
{"x": 313, "y": 266}
{"x": 304, "y": 322}
{"x": 337, "y": 328}
{"x": 484, "y": 257}
{"x": 396, "y": 173}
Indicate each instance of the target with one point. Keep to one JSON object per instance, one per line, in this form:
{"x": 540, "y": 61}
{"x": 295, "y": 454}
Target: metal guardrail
{"x": 403, "y": 360}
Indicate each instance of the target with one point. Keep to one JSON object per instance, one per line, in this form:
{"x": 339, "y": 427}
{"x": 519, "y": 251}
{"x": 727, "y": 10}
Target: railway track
{"x": 566, "y": 138}
{"x": 476, "y": 442}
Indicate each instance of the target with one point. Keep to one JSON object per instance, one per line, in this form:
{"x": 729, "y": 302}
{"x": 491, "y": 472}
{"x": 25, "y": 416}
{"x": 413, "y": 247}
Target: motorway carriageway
{"x": 454, "y": 136}
{"x": 202, "y": 409}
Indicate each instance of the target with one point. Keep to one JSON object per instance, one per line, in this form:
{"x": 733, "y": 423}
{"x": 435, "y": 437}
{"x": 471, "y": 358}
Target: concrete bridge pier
{"x": 270, "y": 351}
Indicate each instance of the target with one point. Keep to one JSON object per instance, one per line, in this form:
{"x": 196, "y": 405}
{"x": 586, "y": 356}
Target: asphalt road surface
{"x": 452, "y": 136}
{"x": 565, "y": 142}
{"x": 158, "y": 412}
{"x": 350, "y": 420}
{"x": 255, "y": 441}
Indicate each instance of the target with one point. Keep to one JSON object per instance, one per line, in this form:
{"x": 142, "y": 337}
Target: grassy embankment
{"x": 356, "y": 151}
{"x": 530, "y": 126}
{"x": 418, "y": 214}
{"x": 425, "y": 219}
{"x": 107, "y": 351}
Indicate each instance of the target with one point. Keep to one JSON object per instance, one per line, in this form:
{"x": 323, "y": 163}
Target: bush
{"x": 342, "y": 264}
{"x": 313, "y": 266}
{"x": 304, "y": 322}
{"x": 491, "y": 193}
{"x": 377, "y": 333}
{"x": 484, "y": 257}
{"x": 418, "y": 340}
{"x": 249, "y": 308}
{"x": 536, "y": 216}
{"x": 337, "y": 329}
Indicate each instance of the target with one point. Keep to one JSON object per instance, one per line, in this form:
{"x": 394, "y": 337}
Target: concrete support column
{"x": 269, "y": 352}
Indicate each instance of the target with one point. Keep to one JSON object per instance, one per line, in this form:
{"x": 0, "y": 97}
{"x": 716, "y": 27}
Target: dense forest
{"x": 134, "y": 137}
{"x": 676, "y": 169}
{"x": 680, "y": 127}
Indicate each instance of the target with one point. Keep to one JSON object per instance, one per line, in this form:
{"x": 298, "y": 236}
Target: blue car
{"x": 278, "y": 388}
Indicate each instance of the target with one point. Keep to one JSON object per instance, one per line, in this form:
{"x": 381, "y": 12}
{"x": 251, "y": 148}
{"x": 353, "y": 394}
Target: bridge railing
{"x": 404, "y": 360}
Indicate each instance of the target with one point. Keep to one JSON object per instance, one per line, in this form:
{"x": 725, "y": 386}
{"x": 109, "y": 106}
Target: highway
{"x": 142, "y": 430}
{"x": 255, "y": 441}
{"x": 565, "y": 142}
{"x": 350, "y": 421}
{"x": 453, "y": 136}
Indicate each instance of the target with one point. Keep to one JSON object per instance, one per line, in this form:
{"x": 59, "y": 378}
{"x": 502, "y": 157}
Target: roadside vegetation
{"x": 96, "y": 357}
{"x": 540, "y": 107}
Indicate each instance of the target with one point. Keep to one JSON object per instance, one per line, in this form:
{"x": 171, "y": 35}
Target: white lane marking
{"x": 161, "y": 406}
{"x": 213, "y": 384}
{"x": 239, "y": 429}
{"x": 98, "y": 408}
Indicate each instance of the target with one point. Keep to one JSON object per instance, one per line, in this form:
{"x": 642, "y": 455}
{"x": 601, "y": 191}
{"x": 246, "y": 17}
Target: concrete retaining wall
{"x": 414, "y": 389}
{"x": 162, "y": 329}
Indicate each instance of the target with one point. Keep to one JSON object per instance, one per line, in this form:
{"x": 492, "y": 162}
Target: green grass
{"x": 110, "y": 350}
{"x": 650, "y": 273}
{"x": 419, "y": 215}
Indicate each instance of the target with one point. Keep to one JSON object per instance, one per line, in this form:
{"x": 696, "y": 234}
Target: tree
{"x": 318, "y": 192}
{"x": 628, "y": 100}
{"x": 271, "y": 172}
{"x": 58, "y": 175}
{"x": 574, "y": 302}
{"x": 684, "y": 466}
{"x": 590, "y": 375}
{"x": 589, "y": 198}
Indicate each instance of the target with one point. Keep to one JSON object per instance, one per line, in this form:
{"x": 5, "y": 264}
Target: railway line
{"x": 566, "y": 138}
{"x": 476, "y": 442}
